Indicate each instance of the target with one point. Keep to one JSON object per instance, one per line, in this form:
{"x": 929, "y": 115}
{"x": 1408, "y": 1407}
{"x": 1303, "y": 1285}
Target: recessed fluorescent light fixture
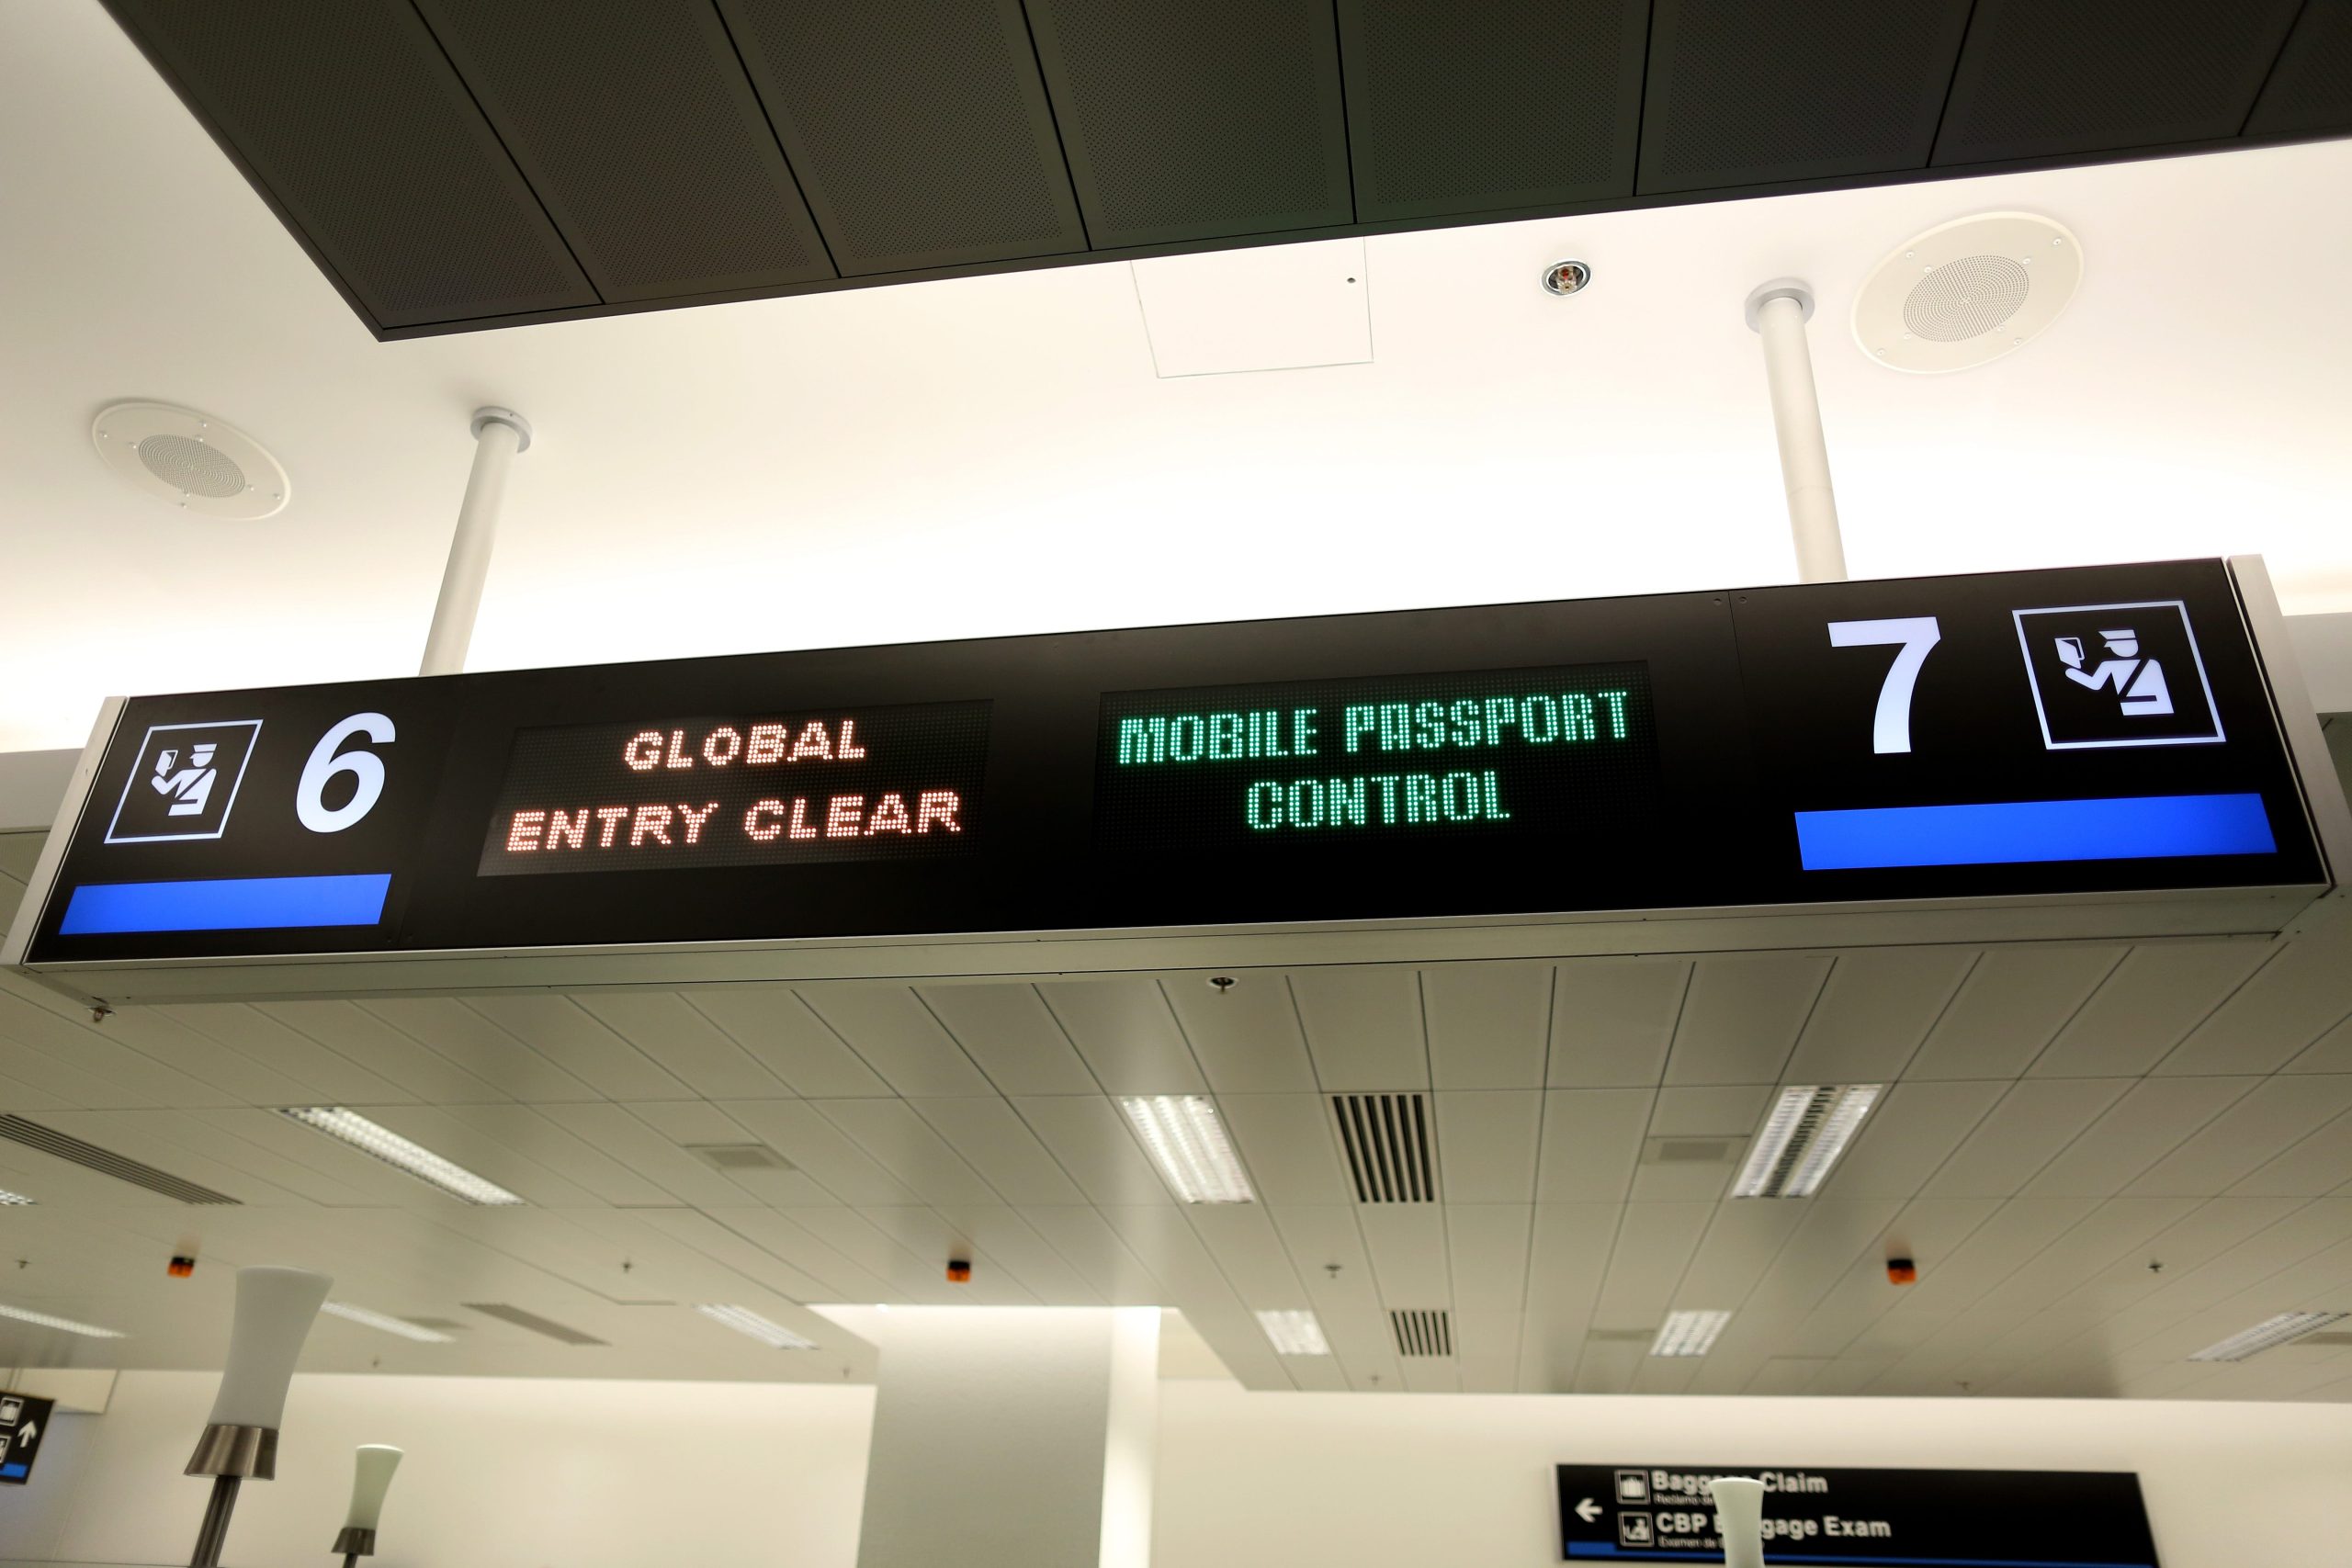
{"x": 394, "y": 1150}
{"x": 1805, "y": 1134}
{"x": 1294, "y": 1333}
{"x": 2267, "y": 1334}
{"x": 8, "y": 1197}
{"x": 1188, "y": 1143}
{"x": 387, "y": 1322}
{"x": 743, "y": 1320}
{"x": 42, "y": 1320}
{"x": 1688, "y": 1333}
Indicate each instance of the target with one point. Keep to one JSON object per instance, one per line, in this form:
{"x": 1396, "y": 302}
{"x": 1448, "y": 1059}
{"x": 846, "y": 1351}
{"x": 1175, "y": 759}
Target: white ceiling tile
{"x": 330, "y": 1079}
{"x": 624, "y": 1135}
{"x": 687, "y": 1121}
{"x": 105, "y": 1054}
{"x": 1164, "y": 1239}
{"x": 2119, "y": 1229}
{"x": 1327, "y": 1251}
{"x": 1489, "y": 1024}
{"x": 1740, "y": 1243}
{"x": 1242, "y": 1239}
{"x": 1742, "y": 1016}
{"x": 1245, "y": 1036}
{"x": 1591, "y": 1141}
{"x": 854, "y": 1234}
{"x": 793, "y": 1129}
{"x": 1567, "y": 1259}
{"x": 2234, "y": 1144}
{"x": 1124, "y": 1030}
{"x": 2034, "y": 1120}
{"x": 999, "y": 1145}
{"x": 154, "y": 1032}
{"x": 1487, "y": 1145}
{"x": 784, "y": 1238}
{"x": 1407, "y": 1246}
{"x": 1874, "y": 1011}
{"x": 361, "y": 1035}
{"x": 483, "y": 1049}
{"x": 1094, "y": 1249}
{"x": 1363, "y": 1027}
{"x": 2004, "y": 1242}
{"x": 1654, "y": 1246}
{"x": 2014, "y": 1003}
{"x": 897, "y": 1037}
{"x": 189, "y": 1147}
{"x": 903, "y": 1144}
{"x": 1907, "y": 1135}
{"x": 1486, "y": 1246}
{"x": 1686, "y": 1180}
{"x": 2135, "y": 1133}
{"x": 545, "y": 1142}
{"x": 1090, "y": 1140}
{"x": 2154, "y": 998}
{"x": 2331, "y": 1053}
{"x": 1287, "y": 1142}
{"x": 1711, "y": 1111}
{"x": 774, "y": 1024}
{"x": 567, "y": 1034}
{"x": 2203, "y": 1232}
{"x": 1613, "y": 1020}
{"x": 2280, "y": 1246}
{"x": 709, "y": 1236}
{"x": 1006, "y": 1030}
{"x": 685, "y": 1041}
{"x": 2303, "y": 992}
{"x": 1005, "y": 1237}
{"x": 486, "y": 1153}
{"x": 936, "y": 1241}
{"x": 377, "y": 1183}
{"x": 2319, "y": 1162}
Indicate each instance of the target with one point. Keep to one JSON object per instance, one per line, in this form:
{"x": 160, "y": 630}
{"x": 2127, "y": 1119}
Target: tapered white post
{"x": 499, "y": 436}
{"x": 1739, "y": 1516}
{"x": 1777, "y": 312}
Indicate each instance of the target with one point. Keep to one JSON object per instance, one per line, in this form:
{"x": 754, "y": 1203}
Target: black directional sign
{"x": 1876, "y": 1519}
{"x": 24, "y": 1423}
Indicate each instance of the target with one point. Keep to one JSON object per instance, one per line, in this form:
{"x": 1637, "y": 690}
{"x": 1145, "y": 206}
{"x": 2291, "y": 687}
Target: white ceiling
{"x": 2063, "y": 1115}
{"x": 996, "y": 454}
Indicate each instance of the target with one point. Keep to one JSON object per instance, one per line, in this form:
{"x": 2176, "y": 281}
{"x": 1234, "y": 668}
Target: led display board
{"x": 2099, "y": 732}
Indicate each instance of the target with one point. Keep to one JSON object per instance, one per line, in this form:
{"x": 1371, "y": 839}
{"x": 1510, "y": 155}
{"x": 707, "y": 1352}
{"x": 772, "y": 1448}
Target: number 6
{"x": 309, "y": 796}
{"x": 1891, "y": 730}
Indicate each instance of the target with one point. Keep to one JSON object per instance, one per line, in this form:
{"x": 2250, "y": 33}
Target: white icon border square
{"x": 1641, "y": 1479}
{"x": 2189, "y": 629}
{"x": 1625, "y": 1528}
{"x": 132, "y": 782}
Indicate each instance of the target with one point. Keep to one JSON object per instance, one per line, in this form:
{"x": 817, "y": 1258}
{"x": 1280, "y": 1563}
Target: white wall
{"x": 517, "y": 1472}
{"x": 1278, "y": 1480}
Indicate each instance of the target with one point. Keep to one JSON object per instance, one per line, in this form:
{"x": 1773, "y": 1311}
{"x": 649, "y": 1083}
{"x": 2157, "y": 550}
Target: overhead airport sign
{"x": 2103, "y": 734}
{"x": 1877, "y": 1519}
{"x": 24, "y": 1421}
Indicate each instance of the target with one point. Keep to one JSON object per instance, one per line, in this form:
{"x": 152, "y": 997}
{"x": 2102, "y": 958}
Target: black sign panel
{"x": 2095, "y": 730}
{"x": 1885, "y": 1518}
{"x": 24, "y": 1423}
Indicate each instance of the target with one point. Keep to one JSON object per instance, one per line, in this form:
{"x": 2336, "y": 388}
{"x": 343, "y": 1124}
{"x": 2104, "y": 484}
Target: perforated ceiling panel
{"x": 349, "y": 117}
{"x": 920, "y": 129}
{"x": 2311, "y": 90}
{"x": 633, "y": 122}
{"x": 2052, "y": 76}
{"x": 1247, "y": 138}
{"x": 1514, "y": 103}
{"x": 1741, "y": 94}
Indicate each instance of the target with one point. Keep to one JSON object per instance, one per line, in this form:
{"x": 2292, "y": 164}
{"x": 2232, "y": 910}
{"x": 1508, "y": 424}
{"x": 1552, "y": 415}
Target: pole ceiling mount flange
{"x": 522, "y": 427}
{"x": 1779, "y": 289}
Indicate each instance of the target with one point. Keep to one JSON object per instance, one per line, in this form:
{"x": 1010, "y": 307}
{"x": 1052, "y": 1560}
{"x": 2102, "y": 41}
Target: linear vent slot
{"x": 49, "y": 1141}
{"x": 1387, "y": 1140}
{"x": 2334, "y": 1337}
{"x": 1423, "y": 1332}
{"x": 533, "y": 1321}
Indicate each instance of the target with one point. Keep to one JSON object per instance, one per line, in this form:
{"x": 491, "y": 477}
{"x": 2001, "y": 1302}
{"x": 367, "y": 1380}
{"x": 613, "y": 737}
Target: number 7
{"x": 1891, "y": 730}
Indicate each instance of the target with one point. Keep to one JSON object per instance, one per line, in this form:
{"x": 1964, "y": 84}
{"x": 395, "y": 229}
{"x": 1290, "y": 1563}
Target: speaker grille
{"x": 2052, "y": 76}
{"x": 1387, "y": 1140}
{"x": 1246, "y": 138}
{"x": 920, "y": 129}
{"x": 636, "y": 126}
{"x": 1507, "y": 103}
{"x": 350, "y": 116}
{"x": 192, "y": 465}
{"x": 1966, "y": 299}
{"x": 1741, "y": 93}
{"x": 1422, "y": 1333}
{"x": 105, "y": 1162}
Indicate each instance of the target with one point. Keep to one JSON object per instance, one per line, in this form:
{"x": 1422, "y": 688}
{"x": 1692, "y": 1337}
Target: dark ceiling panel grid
{"x": 2042, "y": 78}
{"x": 1742, "y": 93}
{"x": 1456, "y": 108}
{"x": 633, "y": 122}
{"x": 352, "y": 121}
{"x": 920, "y": 129}
{"x": 1197, "y": 119}
{"x": 2310, "y": 90}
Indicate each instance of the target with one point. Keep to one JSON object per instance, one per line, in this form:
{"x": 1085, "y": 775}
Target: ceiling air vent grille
{"x": 738, "y": 1157}
{"x": 533, "y": 1321}
{"x": 49, "y": 1141}
{"x": 1387, "y": 1140}
{"x": 1422, "y": 1333}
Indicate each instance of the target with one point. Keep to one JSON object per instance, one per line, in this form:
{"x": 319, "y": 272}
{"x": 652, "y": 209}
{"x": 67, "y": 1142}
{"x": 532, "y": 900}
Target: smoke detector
{"x": 191, "y": 460}
{"x": 1967, "y": 292}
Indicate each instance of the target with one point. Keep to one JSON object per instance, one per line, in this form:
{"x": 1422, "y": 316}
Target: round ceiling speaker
{"x": 1967, "y": 292}
{"x": 191, "y": 459}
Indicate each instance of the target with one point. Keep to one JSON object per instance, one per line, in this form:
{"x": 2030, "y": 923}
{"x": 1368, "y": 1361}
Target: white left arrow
{"x": 27, "y": 1433}
{"x": 1588, "y": 1510}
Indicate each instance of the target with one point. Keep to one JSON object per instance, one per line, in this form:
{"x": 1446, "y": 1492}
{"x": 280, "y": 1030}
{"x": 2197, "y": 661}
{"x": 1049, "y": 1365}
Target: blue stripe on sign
{"x": 2148, "y": 827}
{"x": 13, "y": 1472}
{"x": 1603, "y": 1549}
{"x": 233, "y": 904}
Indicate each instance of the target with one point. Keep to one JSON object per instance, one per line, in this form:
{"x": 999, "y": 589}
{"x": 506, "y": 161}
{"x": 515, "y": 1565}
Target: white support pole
{"x": 1777, "y": 312}
{"x": 499, "y": 436}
